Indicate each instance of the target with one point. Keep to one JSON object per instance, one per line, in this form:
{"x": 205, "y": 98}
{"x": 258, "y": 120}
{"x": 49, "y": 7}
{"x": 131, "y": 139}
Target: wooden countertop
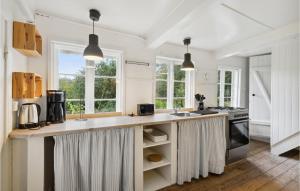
{"x": 74, "y": 126}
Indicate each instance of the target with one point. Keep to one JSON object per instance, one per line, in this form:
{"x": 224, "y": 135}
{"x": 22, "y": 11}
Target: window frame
{"x": 53, "y": 74}
{"x": 235, "y": 86}
{"x": 189, "y": 83}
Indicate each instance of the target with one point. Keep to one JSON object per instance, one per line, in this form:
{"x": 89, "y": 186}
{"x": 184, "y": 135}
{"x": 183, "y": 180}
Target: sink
{"x": 205, "y": 112}
{"x": 185, "y": 114}
{"x": 181, "y": 114}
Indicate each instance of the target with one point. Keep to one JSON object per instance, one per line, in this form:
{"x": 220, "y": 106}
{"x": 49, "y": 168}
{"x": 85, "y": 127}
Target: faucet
{"x": 176, "y": 110}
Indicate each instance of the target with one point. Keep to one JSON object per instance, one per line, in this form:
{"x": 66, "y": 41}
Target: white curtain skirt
{"x": 100, "y": 160}
{"x": 201, "y": 148}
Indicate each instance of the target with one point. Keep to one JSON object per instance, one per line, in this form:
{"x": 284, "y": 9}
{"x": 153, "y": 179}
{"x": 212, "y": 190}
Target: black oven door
{"x": 238, "y": 132}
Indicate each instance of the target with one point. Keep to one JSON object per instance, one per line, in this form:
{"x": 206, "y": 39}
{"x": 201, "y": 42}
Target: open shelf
{"x": 148, "y": 165}
{"x": 148, "y": 143}
{"x": 154, "y": 181}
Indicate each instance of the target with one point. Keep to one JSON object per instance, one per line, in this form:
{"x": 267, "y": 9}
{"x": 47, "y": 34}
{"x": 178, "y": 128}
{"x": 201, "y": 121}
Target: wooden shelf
{"x": 148, "y": 165}
{"x": 148, "y": 143}
{"x": 27, "y": 39}
{"x": 154, "y": 181}
{"x": 26, "y": 85}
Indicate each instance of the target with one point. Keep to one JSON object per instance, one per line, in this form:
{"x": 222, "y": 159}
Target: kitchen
{"x": 143, "y": 57}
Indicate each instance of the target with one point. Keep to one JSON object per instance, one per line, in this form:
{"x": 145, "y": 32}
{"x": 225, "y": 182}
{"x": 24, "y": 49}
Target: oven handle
{"x": 240, "y": 121}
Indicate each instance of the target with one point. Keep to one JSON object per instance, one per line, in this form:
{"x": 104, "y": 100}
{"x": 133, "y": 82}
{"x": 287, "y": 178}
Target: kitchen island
{"x": 33, "y": 149}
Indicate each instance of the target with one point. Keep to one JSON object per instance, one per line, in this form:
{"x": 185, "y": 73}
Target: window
{"x": 174, "y": 88}
{"x": 228, "y": 87}
{"x": 92, "y": 87}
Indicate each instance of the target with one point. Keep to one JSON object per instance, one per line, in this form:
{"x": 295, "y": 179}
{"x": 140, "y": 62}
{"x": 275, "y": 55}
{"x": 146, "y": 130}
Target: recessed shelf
{"x": 154, "y": 181}
{"x": 148, "y": 165}
{"x": 148, "y": 143}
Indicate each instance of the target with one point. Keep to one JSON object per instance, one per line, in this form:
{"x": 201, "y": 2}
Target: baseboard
{"x": 260, "y": 138}
{"x": 287, "y": 144}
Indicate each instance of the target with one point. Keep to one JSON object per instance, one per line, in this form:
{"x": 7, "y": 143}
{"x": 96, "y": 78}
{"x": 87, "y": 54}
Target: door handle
{"x": 253, "y": 95}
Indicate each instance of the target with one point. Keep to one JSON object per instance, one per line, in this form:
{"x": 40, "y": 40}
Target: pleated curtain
{"x": 201, "y": 148}
{"x": 100, "y": 160}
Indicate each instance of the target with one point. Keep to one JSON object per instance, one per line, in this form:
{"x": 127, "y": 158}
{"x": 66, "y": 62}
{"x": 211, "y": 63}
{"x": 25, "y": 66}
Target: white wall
{"x": 138, "y": 79}
{"x": 241, "y": 63}
{"x": 285, "y": 90}
{"x": 14, "y": 62}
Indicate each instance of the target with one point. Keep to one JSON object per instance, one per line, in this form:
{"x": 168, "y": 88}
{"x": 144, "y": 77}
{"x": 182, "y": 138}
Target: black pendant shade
{"x": 93, "y": 51}
{"x": 187, "y": 64}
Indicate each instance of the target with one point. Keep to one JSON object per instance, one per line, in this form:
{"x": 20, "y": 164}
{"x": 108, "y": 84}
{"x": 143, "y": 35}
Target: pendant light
{"x": 92, "y": 51}
{"x": 187, "y": 64}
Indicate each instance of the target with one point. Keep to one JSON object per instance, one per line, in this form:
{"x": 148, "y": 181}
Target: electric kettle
{"x": 28, "y": 115}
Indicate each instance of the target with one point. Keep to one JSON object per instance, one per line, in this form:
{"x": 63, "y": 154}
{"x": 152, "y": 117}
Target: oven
{"x": 237, "y": 138}
{"x": 238, "y": 132}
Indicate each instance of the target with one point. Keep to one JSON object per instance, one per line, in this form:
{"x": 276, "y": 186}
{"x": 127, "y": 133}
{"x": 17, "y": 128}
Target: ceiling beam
{"x": 181, "y": 15}
{"x": 260, "y": 42}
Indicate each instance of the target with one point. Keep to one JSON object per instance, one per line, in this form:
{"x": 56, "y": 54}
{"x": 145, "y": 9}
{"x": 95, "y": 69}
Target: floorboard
{"x": 261, "y": 171}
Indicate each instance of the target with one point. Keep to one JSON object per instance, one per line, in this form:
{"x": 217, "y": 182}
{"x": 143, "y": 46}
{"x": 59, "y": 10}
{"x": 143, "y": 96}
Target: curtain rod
{"x": 137, "y": 63}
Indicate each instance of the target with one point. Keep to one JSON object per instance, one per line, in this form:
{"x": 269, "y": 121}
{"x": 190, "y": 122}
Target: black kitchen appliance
{"x": 145, "y": 109}
{"x": 56, "y": 106}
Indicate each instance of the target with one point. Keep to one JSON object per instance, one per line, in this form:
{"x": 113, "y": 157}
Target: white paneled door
{"x": 260, "y": 96}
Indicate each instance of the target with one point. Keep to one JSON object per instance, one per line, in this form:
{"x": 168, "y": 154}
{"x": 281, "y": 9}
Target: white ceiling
{"x": 132, "y": 16}
{"x": 216, "y": 27}
{"x": 274, "y": 13}
{"x": 219, "y": 23}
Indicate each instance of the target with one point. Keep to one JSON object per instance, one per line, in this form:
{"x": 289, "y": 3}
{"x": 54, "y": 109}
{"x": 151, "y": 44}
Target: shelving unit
{"x": 152, "y": 176}
{"x": 27, "y": 39}
{"x": 154, "y": 181}
{"x": 26, "y": 85}
{"x": 148, "y": 165}
{"x": 148, "y": 143}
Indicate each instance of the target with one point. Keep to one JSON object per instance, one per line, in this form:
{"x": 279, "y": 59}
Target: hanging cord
{"x": 93, "y": 27}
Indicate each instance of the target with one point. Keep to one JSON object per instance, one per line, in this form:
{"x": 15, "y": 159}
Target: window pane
{"x": 228, "y": 76}
{"x": 73, "y": 85}
{"x": 73, "y": 107}
{"x": 219, "y": 76}
{"x": 70, "y": 62}
{"x": 227, "y": 102}
{"x": 161, "y": 103}
{"x": 218, "y": 101}
{"x": 179, "y": 89}
{"x": 105, "y": 88}
{"x": 162, "y": 71}
{"x": 107, "y": 67}
{"x": 105, "y": 106}
{"x": 218, "y": 90}
{"x": 161, "y": 89}
{"x": 178, "y": 73}
{"x": 227, "y": 92}
{"x": 178, "y": 103}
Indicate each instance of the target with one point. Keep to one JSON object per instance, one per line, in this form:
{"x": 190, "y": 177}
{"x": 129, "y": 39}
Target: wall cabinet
{"x": 26, "y": 85}
{"x": 27, "y": 39}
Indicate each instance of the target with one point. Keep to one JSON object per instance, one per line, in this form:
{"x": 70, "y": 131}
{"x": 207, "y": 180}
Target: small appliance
{"x": 28, "y": 115}
{"x": 56, "y": 106}
{"x": 145, "y": 109}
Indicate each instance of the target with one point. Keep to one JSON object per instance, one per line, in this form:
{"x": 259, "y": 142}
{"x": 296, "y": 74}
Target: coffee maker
{"x": 56, "y": 106}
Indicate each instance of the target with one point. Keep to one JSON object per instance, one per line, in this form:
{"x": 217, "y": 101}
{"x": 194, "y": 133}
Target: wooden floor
{"x": 261, "y": 171}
